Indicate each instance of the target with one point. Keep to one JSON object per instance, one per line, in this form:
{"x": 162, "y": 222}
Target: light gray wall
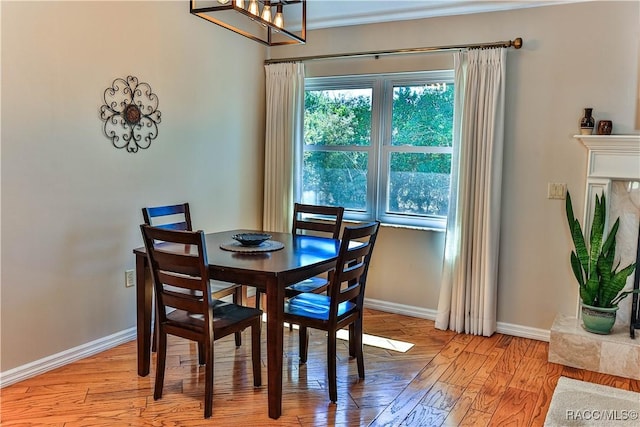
{"x": 70, "y": 200}
{"x": 574, "y": 56}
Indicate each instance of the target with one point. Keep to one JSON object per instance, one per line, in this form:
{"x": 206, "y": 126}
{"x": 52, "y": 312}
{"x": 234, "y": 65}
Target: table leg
{"x": 143, "y": 309}
{"x": 275, "y": 316}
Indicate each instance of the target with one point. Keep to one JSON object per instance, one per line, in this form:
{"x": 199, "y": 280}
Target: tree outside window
{"x": 380, "y": 146}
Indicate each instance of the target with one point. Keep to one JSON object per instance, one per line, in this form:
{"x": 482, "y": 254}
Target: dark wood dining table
{"x": 271, "y": 272}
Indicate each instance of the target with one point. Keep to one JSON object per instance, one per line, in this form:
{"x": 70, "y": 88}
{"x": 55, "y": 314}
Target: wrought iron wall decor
{"x": 130, "y": 113}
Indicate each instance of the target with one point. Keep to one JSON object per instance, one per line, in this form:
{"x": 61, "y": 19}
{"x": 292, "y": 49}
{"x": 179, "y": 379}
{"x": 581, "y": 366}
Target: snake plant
{"x": 600, "y": 282}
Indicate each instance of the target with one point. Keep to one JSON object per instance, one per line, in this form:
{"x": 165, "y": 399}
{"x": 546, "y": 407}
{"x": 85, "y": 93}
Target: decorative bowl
{"x": 251, "y": 239}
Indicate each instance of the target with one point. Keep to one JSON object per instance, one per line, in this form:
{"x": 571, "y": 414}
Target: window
{"x": 379, "y": 145}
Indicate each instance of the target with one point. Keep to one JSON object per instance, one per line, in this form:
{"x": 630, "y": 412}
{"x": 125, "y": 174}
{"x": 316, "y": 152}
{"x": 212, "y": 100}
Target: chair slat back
{"x": 349, "y": 279}
{"x": 171, "y": 217}
{"x": 177, "y": 260}
{"x": 328, "y": 219}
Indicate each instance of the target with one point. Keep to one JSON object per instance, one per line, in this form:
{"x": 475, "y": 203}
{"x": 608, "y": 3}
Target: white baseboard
{"x": 49, "y": 363}
{"x": 524, "y": 331}
{"x": 65, "y": 357}
{"x": 425, "y": 313}
{"x": 407, "y": 310}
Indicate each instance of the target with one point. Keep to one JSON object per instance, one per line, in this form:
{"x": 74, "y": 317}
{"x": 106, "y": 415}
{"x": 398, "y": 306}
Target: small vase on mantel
{"x": 604, "y": 127}
{"x": 587, "y": 122}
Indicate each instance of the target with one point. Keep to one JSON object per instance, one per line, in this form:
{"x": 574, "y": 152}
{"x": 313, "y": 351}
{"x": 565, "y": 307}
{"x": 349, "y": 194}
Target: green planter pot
{"x": 597, "y": 319}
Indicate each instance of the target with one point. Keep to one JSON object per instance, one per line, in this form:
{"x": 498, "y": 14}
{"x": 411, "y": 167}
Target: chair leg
{"x": 258, "y": 299}
{"x": 241, "y": 295}
{"x": 238, "y": 298}
{"x": 154, "y": 326}
{"x": 154, "y": 338}
{"x": 208, "y": 378}
{"x": 303, "y": 343}
{"x": 331, "y": 365}
{"x": 357, "y": 339}
{"x": 161, "y": 357}
{"x": 290, "y": 327}
{"x": 255, "y": 353}
{"x": 352, "y": 341}
{"x": 202, "y": 354}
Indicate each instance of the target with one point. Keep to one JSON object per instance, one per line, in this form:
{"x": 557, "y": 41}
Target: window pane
{"x": 422, "y": 115}
{"x": 335, "y": 178}
{"x": 337, "y": 117}
{"x": 419, "y": 183}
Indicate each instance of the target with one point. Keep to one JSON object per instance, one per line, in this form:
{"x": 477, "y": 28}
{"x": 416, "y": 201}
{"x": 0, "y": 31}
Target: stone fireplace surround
{"x": 613, "y": 166}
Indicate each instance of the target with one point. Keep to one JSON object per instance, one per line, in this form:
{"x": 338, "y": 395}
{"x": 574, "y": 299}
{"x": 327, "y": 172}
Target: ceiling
{"x": 337, "y": 13}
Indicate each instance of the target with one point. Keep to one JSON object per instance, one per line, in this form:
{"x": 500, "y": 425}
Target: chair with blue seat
{"x": 343, "y": 304}
{"x": 186, "y": 308}
{"x": 178, "y": 217}
{"x": 315, "y": 220}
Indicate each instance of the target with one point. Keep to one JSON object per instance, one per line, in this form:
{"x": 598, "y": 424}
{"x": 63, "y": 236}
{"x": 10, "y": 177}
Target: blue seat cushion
{"x": 309, "y": 285}
{"x": 315, "y": 306}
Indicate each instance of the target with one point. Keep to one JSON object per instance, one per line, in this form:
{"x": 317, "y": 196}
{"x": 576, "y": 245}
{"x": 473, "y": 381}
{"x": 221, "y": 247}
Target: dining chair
{"x": 316, "y": 220}
{"x": 178, "y": 217}
{"x": 343, "y": 304}
{"x": 185, "y": 306}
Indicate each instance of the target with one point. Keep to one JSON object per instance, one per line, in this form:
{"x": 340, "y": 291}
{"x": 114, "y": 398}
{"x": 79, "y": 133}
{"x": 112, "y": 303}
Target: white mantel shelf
{"x": 629, "y": 143}
{"x": 612, "y": 156}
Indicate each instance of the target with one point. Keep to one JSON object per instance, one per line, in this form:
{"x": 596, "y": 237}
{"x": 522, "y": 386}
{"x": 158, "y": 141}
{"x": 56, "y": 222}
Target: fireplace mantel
{"x": 612, "y": 156}
{"x": 611, "y": 159}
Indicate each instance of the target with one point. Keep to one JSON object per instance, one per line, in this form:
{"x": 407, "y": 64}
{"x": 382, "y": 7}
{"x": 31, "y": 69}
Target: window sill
{"x": 401, "y": 226}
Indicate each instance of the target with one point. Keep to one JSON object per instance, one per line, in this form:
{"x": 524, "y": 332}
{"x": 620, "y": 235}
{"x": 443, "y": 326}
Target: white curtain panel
{"x": 470, "y": 273}
{"x": 284, "y": 113}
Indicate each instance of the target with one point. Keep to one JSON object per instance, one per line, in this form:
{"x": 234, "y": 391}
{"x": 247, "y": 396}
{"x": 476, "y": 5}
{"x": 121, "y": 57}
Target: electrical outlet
{"x": 556, "y": 191}
{"x": 129, "y": 278}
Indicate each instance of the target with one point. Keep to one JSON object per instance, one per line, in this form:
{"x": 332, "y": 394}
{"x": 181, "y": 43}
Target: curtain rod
{"x": 516, "y": 43}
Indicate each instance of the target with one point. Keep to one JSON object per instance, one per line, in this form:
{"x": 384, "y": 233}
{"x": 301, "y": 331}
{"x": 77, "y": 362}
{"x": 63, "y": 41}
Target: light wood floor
{"x": 445, "y": 379}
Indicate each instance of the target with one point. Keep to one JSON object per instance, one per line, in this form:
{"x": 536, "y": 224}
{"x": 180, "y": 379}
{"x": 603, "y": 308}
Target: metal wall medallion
{"x": 130, "y": 113}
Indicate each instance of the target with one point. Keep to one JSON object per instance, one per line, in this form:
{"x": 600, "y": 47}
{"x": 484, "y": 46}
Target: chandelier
{"x": 273, "y": 23}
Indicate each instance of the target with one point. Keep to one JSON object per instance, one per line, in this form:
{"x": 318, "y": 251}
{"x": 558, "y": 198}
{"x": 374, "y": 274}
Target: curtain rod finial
{"x": 517, "y": 43}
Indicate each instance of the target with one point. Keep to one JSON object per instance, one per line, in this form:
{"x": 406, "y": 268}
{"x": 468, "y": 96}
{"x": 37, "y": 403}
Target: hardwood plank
{"x": 461, "y": 408}
{"x": 515, "y": 408}
{"x": 553, "y": 372}
{"x": 513, "y": 354}
{"x": 539, "y": 350}
{"x": 463, "y": 368}
{"x": 504, "y": 341}
{"x": 434, "y": 408}
{"x": 476, "y": 419}
{"x": 530, "y": 374}
{"x": 487, "y": 367}
{"x": 491, "y": 392}
{"x": 482, "y": 345}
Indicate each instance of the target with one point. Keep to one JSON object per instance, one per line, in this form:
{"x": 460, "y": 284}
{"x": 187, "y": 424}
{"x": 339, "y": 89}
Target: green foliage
{"x": 422, "y": 118}
{"x": 339, "y": 120}
{"x": 337, "y": 178}
{"x": 419, "y": 182}
{"x": 600, "y": 282}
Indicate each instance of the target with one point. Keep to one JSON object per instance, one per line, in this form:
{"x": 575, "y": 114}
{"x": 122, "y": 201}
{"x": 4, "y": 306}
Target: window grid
{"x": 380, "y": 149}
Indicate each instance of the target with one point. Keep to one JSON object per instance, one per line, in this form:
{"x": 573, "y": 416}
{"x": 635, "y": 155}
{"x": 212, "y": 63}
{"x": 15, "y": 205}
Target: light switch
{"x": 556, "y": 190}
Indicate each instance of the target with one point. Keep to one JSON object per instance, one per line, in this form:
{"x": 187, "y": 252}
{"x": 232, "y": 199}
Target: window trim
{"x": 380, "y": 148}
